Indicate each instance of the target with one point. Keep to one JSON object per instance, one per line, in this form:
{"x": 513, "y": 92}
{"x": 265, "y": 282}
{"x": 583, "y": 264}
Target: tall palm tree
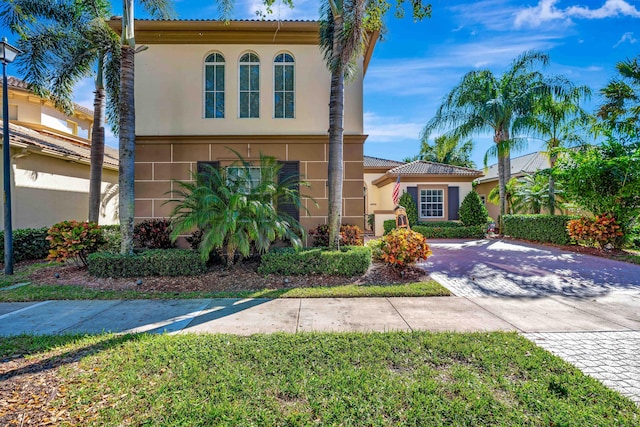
{"x": 448, "y": 150}
{"x": 558, "y": 120}
{"x": 345, "y": 26}
{"x": 127, "y": 129}
{"x": 64, "y": 42}
{"x": 483, "y": 102}
{"x": 621, "y": 110}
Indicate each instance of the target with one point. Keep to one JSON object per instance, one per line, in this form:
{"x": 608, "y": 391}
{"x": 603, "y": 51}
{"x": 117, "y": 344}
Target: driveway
{"x": 504, "y": 268}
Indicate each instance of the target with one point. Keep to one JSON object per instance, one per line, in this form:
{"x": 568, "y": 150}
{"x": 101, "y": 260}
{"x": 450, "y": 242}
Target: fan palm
{"x": 64, "y": 42}
{"x": 483, "y": 102}
{"x": 233, "y": 212}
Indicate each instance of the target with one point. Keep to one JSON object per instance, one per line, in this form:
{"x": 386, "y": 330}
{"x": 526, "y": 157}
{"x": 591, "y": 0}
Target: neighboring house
{"x": 437, "y": 189}
{"x": 50, "y": 155}
{"x": 520, "y": 166}
{"x": 253, "y": 86}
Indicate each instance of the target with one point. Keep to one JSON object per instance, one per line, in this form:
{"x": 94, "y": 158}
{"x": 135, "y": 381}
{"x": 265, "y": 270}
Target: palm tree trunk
{"x": 552, "y": 187}
{"x": 336, "y": 129}
{"x": 127, "y": 149}
{"x": 97, "y": 148}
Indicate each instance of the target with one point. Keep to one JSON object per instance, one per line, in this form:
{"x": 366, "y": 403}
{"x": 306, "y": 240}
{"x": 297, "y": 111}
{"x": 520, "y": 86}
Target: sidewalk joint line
{"x": 520, "y": 331}
{"x": 95, "y": 314}
{"x": 402, "y": 317}
{"x": 560, "y": 300}
{"x": 298, "y": 318}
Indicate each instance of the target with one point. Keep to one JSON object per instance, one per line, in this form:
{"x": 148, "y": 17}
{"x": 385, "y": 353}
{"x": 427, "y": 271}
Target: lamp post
{"x": 7, "y": 54}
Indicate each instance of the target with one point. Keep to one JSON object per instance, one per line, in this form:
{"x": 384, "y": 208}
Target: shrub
{"x": 388, "y": 225}
{"x": 73, "y": 240}
{"x": 154, "y": 262}
{"x": 153, "y": 234}
{"x": 348, "y": 261}
{"x": 539, "y": 228}
{"x": 28, "y": 243}
{"x": 351, "y": 235}
{"x": 441, "y": 224}
{"x": 376, "y": 249}
{"x": 371, "y": 221}
{"x": 601, "y": 231}
{"x": 403, "y": 247}
{"x": 472, "y": 210}
{"x": 461, "y": 232}
{"x": 410, "y": 205}
{"x": 112, "y": 238}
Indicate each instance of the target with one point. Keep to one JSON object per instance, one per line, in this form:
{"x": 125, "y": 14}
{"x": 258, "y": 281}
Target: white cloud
{"x": 546, "y": 10}
{"x": 390, "y": 128}
{"x": 626, "y": 37}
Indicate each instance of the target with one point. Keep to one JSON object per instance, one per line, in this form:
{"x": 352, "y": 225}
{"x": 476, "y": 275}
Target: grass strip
{"x": 36, "y": 292}
{"x": 348, "y": 379}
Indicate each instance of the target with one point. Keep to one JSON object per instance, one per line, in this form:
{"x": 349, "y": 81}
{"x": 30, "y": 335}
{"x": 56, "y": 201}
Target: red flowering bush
{"x": 403, "y": 247}
{"x": 598, "y": 232}
{"x": 351, "y": 235}
{"x": 73, "y": 240}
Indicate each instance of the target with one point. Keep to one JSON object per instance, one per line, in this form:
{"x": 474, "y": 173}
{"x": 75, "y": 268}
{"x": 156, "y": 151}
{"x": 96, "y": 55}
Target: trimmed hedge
{"x": 539, "y": 228}
{"x": 457, "y": 232}
{"x": 349, "y": 261}
{"x": 390, "y": 224}
{"x": 28, "y": 243}
{"x": 441, "y": 224}
{"x": 154, "y": 262}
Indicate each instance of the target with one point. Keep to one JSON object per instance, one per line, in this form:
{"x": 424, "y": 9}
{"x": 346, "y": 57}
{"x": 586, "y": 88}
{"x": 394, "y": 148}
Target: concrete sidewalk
{"x": 612, "y": 312}
{"x": 575, "y": 329}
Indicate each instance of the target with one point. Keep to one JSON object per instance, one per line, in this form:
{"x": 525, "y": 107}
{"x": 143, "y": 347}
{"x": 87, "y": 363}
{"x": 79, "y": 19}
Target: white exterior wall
{"x": 172, "y": 92}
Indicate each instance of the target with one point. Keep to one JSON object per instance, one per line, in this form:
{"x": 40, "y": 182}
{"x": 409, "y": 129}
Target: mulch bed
{"x": 241, "y": 277}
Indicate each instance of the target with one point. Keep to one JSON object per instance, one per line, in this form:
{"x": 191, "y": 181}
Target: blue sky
{"x": 418, "y": 63}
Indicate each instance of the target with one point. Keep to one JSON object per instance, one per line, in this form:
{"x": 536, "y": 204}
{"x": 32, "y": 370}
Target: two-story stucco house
{"x": 50, "y": 157}
{"x": 253, "y": 86}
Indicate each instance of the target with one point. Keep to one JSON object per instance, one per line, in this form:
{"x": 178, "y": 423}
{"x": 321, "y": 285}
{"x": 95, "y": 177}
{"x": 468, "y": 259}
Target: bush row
{"x": 154, "y": 262}
{"x": 28, "y": 243}
{"x": 457, "y": 232}
{"x": 539, "y": 228}
{"x": 349, "y": 261}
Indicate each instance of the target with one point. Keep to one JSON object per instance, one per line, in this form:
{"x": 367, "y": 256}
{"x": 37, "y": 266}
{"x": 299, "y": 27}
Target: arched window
{"x": 249, "y": 85}
{"x": 214, "y": 86}
{"x": 283, "y": 86}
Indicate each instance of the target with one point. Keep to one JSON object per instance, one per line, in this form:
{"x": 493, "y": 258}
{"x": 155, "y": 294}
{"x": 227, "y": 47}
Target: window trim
{"x": 273, "y": 85}
{"x": 250, "y": 167}
{"x": 442, "y": 189}
{"x": 240, "y": 64}
{"x": 204, "y": 85}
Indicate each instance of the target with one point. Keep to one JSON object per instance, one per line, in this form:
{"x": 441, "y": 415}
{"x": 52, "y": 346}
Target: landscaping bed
{"x": 243, "y": 276}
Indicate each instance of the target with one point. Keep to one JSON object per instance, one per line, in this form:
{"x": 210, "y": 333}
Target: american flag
{"x": 396, "y": 191}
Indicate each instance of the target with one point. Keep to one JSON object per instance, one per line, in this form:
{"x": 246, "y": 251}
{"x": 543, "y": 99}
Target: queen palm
{"x": 484, "y": 102}
{"x": 345, "y": 26}
{"x": 448, "y": 150}
{"x": 558, "y": 120}
{"x": 621, "y": 109}
{"x": 63, "y": 43}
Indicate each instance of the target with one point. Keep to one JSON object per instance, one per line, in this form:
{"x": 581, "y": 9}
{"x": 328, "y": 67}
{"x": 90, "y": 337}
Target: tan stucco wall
{"x": 484, "y": 189}
{"x": 169, "y": 92}
{"x": 46, "y": 190}
{"x": 54, "y": 119}
{"x": 161, "y": 161}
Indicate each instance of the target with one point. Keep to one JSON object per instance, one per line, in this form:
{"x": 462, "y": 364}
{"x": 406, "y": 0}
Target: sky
{"x": 418, "y": 63}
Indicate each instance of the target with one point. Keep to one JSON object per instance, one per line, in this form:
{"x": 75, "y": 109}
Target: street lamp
{"x": 7, "y": 54}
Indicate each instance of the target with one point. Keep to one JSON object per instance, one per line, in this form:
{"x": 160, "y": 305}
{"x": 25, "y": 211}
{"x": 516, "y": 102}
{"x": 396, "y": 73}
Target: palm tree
{"x": 621, "y": 110}
{"x": 512, "y": 200}
{"x": 558, "y": 120}
{"x": 233, "y": 213}
{"x": 345, "y": 26}
{"x": 448, "y": 150}
{"x": 63, "y": 43}
{"x": 127, "y": 129}
{"x": 483, "y": 102}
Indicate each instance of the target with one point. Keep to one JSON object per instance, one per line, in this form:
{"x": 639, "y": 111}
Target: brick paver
{"x": 611, "y": 357}
{"x": 499, "y": 268}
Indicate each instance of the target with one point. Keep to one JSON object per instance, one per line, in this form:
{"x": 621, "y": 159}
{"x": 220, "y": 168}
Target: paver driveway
{"x": 513, "y": 269}
{"x": 499, "y": 275}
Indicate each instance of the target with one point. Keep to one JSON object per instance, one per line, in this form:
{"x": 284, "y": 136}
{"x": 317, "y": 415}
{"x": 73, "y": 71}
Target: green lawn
{"x": 376, "y": 379}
